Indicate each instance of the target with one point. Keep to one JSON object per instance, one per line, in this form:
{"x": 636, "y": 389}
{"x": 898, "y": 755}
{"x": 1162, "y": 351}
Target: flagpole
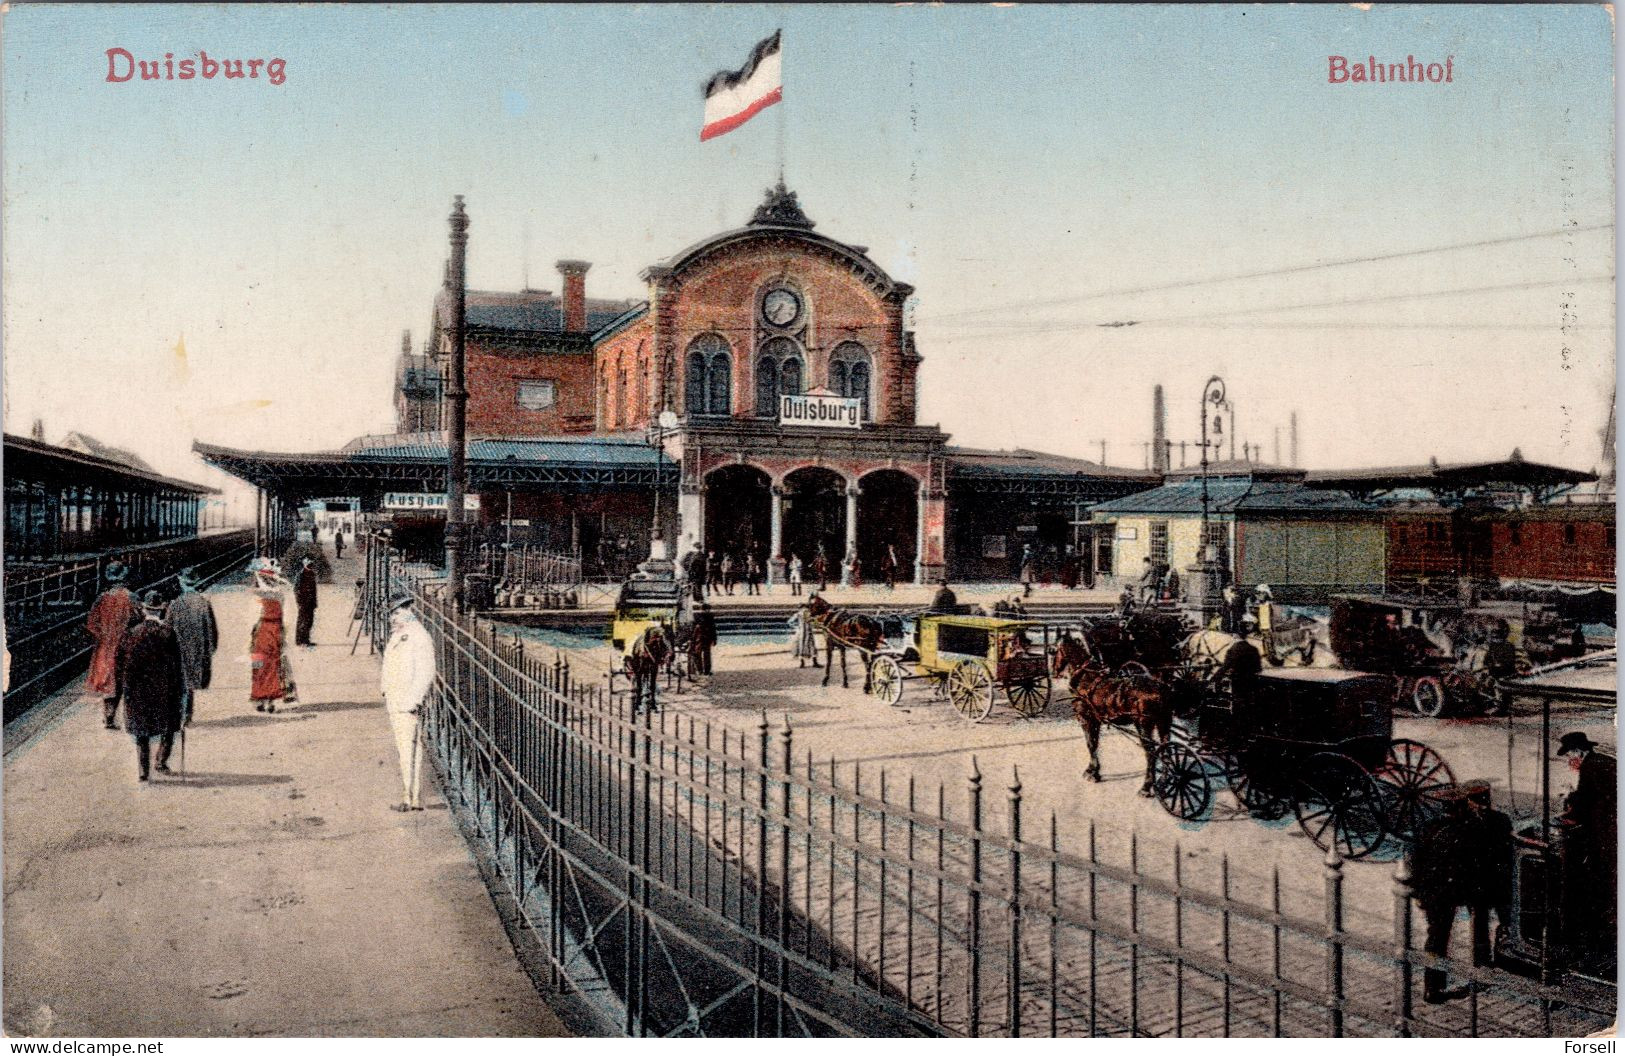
{"x": 781, "y": 106}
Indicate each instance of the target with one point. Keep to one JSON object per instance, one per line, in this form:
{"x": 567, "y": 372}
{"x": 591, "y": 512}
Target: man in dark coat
{"x": 191, "y": 617}
{"x": 1241, "y": 667}
{"x": 696, "y": 572}
{"x": 701, "y": 640}
{"x": 304, "y": 596}
{"x": 1491, "y": 874}
{"x": 945, "y": 602}
{"x": 338, "y": 543}
{"x": 1443, "y": 857}
{"x": 1590, "y": 854}
{"x": 151, "y": 685}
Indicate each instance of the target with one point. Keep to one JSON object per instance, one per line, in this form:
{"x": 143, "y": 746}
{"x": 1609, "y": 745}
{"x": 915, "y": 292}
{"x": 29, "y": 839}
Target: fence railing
{"x": 688, "y": 878}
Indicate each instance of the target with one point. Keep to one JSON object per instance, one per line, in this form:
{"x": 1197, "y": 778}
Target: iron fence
{"x": 688, "y": 878}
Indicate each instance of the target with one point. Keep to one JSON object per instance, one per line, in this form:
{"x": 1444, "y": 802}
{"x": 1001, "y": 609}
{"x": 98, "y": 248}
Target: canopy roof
{"x": 1453, "y": 478}
{"x": 417, "y": 463}
{"x": 33, "y": 460}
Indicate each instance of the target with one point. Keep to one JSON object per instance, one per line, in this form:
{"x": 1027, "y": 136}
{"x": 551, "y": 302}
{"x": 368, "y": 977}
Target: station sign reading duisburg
{"x": 828, "y": 412}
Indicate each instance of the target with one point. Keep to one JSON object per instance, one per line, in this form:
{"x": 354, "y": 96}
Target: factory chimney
{"x": 1159, "y": 432}
{"x": 1294, "y": 439}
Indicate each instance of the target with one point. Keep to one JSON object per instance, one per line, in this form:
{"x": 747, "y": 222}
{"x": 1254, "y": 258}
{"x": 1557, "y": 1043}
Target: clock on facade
{"x": 781, "y": 307}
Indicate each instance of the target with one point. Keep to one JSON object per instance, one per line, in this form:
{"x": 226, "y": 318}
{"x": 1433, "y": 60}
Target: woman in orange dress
{"x": 272, "y": 680}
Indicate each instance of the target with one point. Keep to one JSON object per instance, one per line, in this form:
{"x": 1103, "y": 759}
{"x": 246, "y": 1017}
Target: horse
{"x": 648, "y": 653}
{"x": 842, "y": 629}
{"x": 1099, "y": 697}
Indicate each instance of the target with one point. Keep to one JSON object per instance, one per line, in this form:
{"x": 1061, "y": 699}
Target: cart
{"x": 1313, "y": 742}
{"x": 970, "y": 659}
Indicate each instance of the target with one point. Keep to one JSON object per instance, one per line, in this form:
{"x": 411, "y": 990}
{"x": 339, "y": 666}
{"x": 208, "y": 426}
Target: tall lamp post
{"x": 1212, "y": 393}
{"x": 457, "y": 396}
{"x": 663, "y": 425}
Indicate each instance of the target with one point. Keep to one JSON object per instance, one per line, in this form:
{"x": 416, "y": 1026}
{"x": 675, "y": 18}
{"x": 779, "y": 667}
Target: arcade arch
{"x": 888, "y": 516}
{"x": 814, "y": 515}
{"x": 737, "y": 513}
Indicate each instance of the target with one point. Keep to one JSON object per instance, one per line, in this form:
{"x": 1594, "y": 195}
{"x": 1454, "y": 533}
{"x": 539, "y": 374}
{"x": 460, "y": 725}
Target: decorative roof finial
{"x": 780, "y": 209}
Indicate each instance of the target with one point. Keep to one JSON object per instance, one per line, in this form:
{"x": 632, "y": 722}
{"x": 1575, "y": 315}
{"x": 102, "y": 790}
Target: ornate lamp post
{"x": 1212, "y": 393}
{"x": 457, "y": 397}
{"x": 663, "y": 425}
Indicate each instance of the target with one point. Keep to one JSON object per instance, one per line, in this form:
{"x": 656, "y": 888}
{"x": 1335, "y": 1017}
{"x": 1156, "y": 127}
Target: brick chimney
{"x": 575, "y": 294}
{"x": 1159, "y": 432}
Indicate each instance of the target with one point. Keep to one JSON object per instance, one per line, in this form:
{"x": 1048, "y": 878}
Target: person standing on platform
{"x": 111, "y": 617}
{"x": 727, "y": 573}
{"x": 338, "y": 543}
{"x": 753, "y": 574}
{"x": 304, "y": 598}
{"x": 795, "y": 575}
{"x": 820, "y": 569}
{"x": 854, "y": 570}
{"x": 888, "y": 567}
{"x": 1029, "y": 571}
{"x": 1590, "y": 852}
{"x": 407, "y": 677}
{"x": 1443, "y": 857}
{"x": 272, "y": 679}
{"x": 191, "y": 617}
{"x": 701, "y": 640}
{"x": 151, "y": 685}
{"x": 802, "y": 645}
{"x": 1069, "y": 569}
{"x": 1492, "y": 871}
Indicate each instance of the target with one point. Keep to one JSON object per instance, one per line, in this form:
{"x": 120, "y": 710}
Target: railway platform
{"x": 271, "y": 891}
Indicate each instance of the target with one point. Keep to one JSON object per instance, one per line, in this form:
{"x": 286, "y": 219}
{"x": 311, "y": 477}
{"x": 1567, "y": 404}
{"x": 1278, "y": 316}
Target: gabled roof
{"x": 33, "y": 459}
{"x": 534, "y": 311}
{"x": 1513, "y": 472}
{"x": 1230, "y": 495}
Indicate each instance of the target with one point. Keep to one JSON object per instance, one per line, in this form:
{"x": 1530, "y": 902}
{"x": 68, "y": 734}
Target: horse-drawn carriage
{"x": 1313, "y": 742}
{"x": 970, "y": 659}
{"x": 650, "y": 621}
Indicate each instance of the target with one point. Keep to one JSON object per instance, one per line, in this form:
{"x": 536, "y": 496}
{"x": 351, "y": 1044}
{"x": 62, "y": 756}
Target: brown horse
{"x": 649, "y": 652}
{"x": 1099, "y": 697}
{"x": 843, "y": 629}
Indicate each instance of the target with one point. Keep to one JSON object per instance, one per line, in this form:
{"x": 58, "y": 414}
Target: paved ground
{"x": 272, "y": 892}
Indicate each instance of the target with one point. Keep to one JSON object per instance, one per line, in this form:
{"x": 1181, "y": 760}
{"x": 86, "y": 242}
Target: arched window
{"x": 849, "y": 373}
{"x": 709, "y": 380}
{"x": 623, "y": 400}
{"x": 767, "y": 387}
{"x": 782, "y": 374}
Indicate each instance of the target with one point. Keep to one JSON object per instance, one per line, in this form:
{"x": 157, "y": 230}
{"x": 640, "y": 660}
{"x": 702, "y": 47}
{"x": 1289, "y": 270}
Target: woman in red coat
{"x": 272, "y": 680}
{"x": 111, "y": 618}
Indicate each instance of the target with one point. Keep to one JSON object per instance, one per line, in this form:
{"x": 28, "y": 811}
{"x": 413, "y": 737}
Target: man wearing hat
{"x": 191, "y": 617}
{"x": 151, "y": 685}
{"x": 1491, "y": 873}
{"x": 304, "y": 597}
{"x": 407, "y": 677}
{"x": 111, "y": 617}
{"x": 1590, "y": 851}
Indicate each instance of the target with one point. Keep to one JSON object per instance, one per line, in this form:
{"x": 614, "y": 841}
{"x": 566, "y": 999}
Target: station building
{"x": 784, "y": 356}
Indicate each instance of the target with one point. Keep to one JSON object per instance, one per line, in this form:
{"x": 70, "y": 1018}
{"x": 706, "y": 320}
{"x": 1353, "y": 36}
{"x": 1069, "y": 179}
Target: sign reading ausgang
{"x": 416, "y": 500}
{"x": 829, "y": 412}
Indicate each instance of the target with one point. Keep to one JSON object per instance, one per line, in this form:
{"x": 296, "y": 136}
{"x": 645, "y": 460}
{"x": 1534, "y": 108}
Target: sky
{"x": 235, "y": 261}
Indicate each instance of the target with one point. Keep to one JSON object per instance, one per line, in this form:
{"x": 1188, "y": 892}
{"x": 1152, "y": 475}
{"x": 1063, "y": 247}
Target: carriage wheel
{"x": 1415, "y": 778}
{"x": 970, "y": 687}
{"x": 1428, "y": 697}
{"x": 1340, "y": 804}
{"x": 1030, "y": 695}
{"x": 1180, "y": 781}
{"x": 1265, "y": 801}
{"x": 886, "y": 679}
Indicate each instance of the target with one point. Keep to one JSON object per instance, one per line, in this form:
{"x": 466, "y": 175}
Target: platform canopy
{"x": 1036, "y": 473}
{"x": 415, "y": 463}
{"x": 1455, "y": 480}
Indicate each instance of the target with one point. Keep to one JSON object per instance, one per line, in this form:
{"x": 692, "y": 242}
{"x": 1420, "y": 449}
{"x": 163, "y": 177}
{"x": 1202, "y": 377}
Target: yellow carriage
{"x": 969, "y": 659}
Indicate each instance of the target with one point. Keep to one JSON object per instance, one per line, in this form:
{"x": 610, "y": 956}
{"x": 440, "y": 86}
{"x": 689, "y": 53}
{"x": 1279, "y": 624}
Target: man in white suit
{"x": 408, "y": 676}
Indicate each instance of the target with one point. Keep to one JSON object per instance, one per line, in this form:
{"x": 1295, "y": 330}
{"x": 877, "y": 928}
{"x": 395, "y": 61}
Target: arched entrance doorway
{"x": 888, "y": 516}
{"x": 736, "y": 511}
{"x": 815, "y": 516}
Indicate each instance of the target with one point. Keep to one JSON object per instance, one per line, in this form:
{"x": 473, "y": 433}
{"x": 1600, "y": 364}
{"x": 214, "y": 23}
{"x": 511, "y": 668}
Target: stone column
{"x": 775, "y": 533}
{"x": 690, "y": 520}
{"x": 919, "y": 535}
{"x": 851, "y": 533}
